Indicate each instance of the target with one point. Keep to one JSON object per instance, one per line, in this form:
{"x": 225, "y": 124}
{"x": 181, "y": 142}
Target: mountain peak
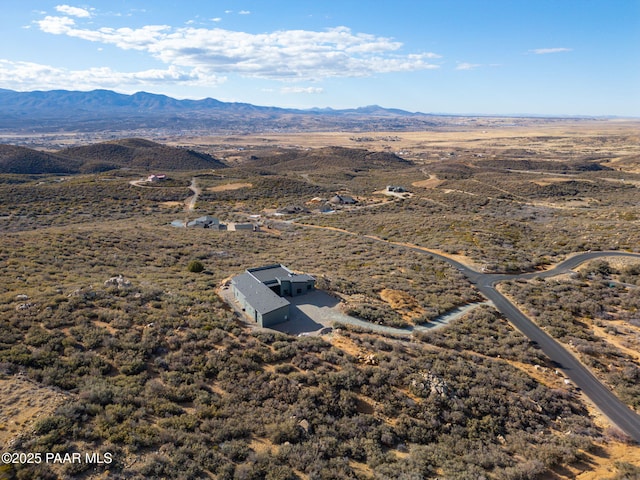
{"x": 57, "y": 110}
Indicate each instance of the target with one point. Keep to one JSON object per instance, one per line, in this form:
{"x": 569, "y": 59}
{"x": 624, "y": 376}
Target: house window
{"x": 299, "y": 290}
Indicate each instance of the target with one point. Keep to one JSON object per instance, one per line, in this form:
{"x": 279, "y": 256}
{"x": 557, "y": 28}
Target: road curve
{"x": 603, "y": 398}
{"x": 190, "y": 202}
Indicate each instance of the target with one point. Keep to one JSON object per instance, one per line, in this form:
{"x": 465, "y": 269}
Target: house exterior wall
{"x": 285, "y": 287}
{"x": 267, "y": 319}
{"x": 300, "y": 288}
{"x": 242, "y": 300}
{"x": 274, "y": 317}
{"x": 260, "y": 292}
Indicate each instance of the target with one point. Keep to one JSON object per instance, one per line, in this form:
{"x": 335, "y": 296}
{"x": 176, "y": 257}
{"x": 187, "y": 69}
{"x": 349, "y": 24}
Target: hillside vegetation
{"x": 159, "y": 373}
{"x": 143, "y": 154}
{"x": 21, "y": 160}
{"x": 154, "y": 368}
{"x": 128, "y": 153}
{"x": 329, "y": 158}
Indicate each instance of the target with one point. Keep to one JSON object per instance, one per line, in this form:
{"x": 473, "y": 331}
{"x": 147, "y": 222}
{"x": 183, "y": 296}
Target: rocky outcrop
{"x": 120, "y": 282}
{"x": 431, "y": 384}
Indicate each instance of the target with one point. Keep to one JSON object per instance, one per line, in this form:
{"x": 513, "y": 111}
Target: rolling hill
{"x": 144, "y": 154}
{"x": 128, "y": 153}
{"x": 23, "y": 160}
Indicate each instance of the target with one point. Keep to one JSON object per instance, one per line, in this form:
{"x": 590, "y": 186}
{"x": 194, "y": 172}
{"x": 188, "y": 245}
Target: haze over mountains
{"x": 62, "y": 110}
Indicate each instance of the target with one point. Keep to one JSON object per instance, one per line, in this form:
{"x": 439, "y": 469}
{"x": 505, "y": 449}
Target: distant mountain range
{"x": 62, "y": 110}
{"x": 133, "y": 153}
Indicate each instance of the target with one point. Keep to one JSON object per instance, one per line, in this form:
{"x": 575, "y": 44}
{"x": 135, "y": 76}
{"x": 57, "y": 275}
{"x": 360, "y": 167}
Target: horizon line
{"x": 311, "y": 109}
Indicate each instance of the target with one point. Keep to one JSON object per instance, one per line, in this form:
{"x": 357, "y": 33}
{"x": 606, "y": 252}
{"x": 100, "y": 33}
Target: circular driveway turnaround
{"x": 603, "y": 398}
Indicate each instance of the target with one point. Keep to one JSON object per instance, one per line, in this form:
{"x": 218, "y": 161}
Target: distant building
{"x": 260, "y": 292}
{"x": 342, "y": 200}
{"x": 156, "y": 178}
{"x": 205, "y": 222}
{"x": 327, "y": 209}
{"x": 395, "y": 189}
{"x": 292, "y": 209}
{"x": 241, "y": 226}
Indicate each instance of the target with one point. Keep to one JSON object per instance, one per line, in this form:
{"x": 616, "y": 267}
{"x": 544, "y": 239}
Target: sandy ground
{"x": 23, "y": 403}
{"x": 403, "y": 303}
{"x": 431, "y": 182}
{"x": 402, "y": 195}
{"x": 229, "y": 186}
{"x": 171, "y": 204}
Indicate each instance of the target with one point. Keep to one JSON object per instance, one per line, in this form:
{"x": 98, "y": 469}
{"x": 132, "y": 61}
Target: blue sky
{"x": 574, "y": 57}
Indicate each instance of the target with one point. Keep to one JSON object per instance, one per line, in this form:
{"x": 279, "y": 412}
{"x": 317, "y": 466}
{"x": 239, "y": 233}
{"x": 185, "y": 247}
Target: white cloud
{"x": 544, "y": 51}
{"x": 467, "y": 66}
{"x": 310, "y": 90}
{"x": 217, "y": 19}
{"x": 284, "y": 55}
{"x": 244, "y": 12}
{"x": 73, "y": 11}
{"x": 29, "y": 76}
{"x": 56, "y": 25}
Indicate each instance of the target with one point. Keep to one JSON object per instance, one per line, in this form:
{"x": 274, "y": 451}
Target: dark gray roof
{"x": 207, "y": 219}
{"x": 258, "y": 295}
{"x": 342, "y": 199}
{"x": 270, "y": 273}
{"x": 300, "y": 278}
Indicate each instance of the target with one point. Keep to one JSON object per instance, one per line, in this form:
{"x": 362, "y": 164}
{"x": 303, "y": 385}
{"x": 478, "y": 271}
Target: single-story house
{"x": 292, "y": 209}
{"x": 205, "y": 222}
{"x": 260, "y": 292}
{"x": 327, "y": 209}
{"x": 342, "y": 200}
{"x": 241, "y": 226}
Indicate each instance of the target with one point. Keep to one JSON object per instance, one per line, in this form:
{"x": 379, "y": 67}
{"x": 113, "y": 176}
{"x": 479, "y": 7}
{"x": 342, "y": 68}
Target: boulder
{"x": 120, "y": 282}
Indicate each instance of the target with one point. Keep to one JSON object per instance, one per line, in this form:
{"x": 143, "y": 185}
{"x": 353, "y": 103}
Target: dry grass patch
{"x": 362, "y": 470}
{"x": 261, "y": 445}
{"x": 603, "y": 466}
{"x": 403, "y": 303}
{"x": 599, "y": 465}
{"x": 348, "y": 346}
{"x": 23, "y": 403}
{"x": 229, "y": 186}
{"x": 431, "y": 182}
{"x": 617, "y": 263}
{"x": 540, "y": 374}
{"x": 626, "y": 339}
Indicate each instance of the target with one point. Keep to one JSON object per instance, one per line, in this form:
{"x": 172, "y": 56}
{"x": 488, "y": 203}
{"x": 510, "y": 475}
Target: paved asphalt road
{"x": 605, "y": 400}
{"x": 608, "y": 403}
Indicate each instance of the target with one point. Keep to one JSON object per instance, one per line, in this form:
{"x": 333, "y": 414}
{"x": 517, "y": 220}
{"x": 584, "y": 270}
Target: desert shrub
{"x": 195, "y": 266}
